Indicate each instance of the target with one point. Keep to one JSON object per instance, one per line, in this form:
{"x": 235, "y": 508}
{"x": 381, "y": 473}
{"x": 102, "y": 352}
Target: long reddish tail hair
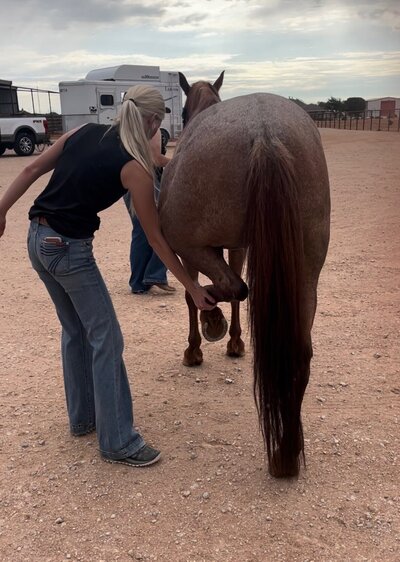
{"x": 276, "y": 291}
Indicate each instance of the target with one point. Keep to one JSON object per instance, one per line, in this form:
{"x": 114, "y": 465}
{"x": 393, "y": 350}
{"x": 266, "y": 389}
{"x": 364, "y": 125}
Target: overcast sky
{"x": 308, "y": 49}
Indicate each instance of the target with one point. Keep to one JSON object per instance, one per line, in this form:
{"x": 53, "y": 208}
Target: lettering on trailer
{"x": 149, "y": 76}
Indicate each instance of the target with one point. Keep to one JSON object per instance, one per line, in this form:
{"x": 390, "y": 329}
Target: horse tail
{"x": 276, "y": 280}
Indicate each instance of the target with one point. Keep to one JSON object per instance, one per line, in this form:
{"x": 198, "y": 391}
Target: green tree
{"x": 334, "y": 104}
{"x": 355, "y": 104}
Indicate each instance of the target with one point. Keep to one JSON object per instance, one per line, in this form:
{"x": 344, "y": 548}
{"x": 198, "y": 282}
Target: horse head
{"x": 199, "y": 96}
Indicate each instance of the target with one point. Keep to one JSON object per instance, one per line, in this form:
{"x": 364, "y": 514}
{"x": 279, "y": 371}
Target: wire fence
{"x": 370, "y": 120}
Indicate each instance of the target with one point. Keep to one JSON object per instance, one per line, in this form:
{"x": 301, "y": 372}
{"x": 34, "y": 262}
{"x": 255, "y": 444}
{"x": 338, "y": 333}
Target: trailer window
{"x": 106, "y": 99}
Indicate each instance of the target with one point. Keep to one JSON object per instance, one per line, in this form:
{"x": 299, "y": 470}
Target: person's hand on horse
{"x": 202, "y": 298}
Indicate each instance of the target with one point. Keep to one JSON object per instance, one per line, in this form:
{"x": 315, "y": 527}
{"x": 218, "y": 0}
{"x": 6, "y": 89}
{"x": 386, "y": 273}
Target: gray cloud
{"x": 66, "y": 13}
{"x": 192, "y": 19}
{"x": 387, "y": 11}
{"x": 64, "y": 39}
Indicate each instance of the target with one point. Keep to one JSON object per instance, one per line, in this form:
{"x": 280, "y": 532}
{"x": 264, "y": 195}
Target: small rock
{"x": 377, "y": 355}
{"x": 229, "y": 381}
{"x": 206, "y": 496}
{"x": 59, "y": 520}
{"x": 186, "y": 493}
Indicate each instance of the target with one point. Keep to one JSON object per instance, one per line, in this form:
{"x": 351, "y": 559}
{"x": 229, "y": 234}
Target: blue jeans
{"x": 146, "y": 267}
{"x": 96, "y": 384}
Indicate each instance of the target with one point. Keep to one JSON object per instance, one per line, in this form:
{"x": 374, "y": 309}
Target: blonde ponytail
{"x": 139, "y": 102}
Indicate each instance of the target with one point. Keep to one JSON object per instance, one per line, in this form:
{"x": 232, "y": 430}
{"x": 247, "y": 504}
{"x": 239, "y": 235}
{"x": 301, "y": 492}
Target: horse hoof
{"x": 235, "y": 349}
{"x": 192, "y": 358}
{"x": 213, "y": 324}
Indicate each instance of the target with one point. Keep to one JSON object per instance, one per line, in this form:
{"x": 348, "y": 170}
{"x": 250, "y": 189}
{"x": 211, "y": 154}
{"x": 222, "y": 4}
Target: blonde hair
{"x": 139, "y": 102}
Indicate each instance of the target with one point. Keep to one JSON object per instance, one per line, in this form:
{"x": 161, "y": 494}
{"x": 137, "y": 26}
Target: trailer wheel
{"x": 2, "y": 149}
{"x": 164, "y": 140}
{"x": 24, "y": 144}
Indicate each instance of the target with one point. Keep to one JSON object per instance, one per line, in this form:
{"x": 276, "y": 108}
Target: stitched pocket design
{"x": 55, "y": 256}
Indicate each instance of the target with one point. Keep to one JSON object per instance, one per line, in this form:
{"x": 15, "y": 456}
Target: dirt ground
{"x": 211, "y": 498}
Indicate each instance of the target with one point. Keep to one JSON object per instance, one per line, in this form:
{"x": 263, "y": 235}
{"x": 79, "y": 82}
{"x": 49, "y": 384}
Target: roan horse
{"x": 250, "y": 173}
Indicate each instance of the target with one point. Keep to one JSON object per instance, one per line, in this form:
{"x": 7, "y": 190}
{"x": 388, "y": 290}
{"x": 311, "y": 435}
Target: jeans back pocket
{"x": 54, "y": 254}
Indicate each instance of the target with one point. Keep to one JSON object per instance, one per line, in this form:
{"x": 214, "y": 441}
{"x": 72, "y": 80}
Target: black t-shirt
{"x": 85, "y": 181}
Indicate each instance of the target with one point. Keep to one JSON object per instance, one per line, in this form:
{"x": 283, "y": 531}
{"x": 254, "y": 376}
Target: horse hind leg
{"x": 193, "y": 356}
{"x": 227, "y": 286}
{"x": 235, "y": 346}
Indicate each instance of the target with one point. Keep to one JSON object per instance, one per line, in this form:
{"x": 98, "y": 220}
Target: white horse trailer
{"x": 96, "y": 98}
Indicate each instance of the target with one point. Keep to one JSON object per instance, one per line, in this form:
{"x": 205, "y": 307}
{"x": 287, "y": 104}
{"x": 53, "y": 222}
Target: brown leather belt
{"x": 41, "y": 220}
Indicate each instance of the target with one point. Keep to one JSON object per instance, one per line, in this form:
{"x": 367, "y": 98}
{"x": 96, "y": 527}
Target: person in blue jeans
{"x": 92, "y": 167}
{"x": 147, "y": 270}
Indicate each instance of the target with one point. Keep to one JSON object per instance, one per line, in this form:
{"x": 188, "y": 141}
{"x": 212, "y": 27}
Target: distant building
{"x": 387, "y": 106}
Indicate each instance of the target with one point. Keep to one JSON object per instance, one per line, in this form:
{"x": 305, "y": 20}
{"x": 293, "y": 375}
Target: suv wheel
{"x": 164, "y": 140}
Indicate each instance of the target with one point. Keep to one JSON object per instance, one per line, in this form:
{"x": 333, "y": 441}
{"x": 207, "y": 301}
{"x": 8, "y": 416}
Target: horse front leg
{"x": 235, "y": 346}
{"x": 193, "y": 356}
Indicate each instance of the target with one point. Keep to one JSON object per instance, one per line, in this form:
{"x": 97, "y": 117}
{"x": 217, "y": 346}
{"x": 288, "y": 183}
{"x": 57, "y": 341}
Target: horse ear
{"x": 218, "y": 83}
{"x": 183, "y": 83}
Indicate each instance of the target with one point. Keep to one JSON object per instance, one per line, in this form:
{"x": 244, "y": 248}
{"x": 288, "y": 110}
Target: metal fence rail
{"x": 371, "y": 120}
{"x": 20, "y": 100}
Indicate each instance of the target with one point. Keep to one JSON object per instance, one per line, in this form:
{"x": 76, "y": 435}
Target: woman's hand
{"x": 202, "y": 298}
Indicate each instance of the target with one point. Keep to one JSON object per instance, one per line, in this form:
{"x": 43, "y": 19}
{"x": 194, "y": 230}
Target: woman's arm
{"x": 136, "y": 180}
{"x": 160, "y": 161}
{"x": 41, "y": 165}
